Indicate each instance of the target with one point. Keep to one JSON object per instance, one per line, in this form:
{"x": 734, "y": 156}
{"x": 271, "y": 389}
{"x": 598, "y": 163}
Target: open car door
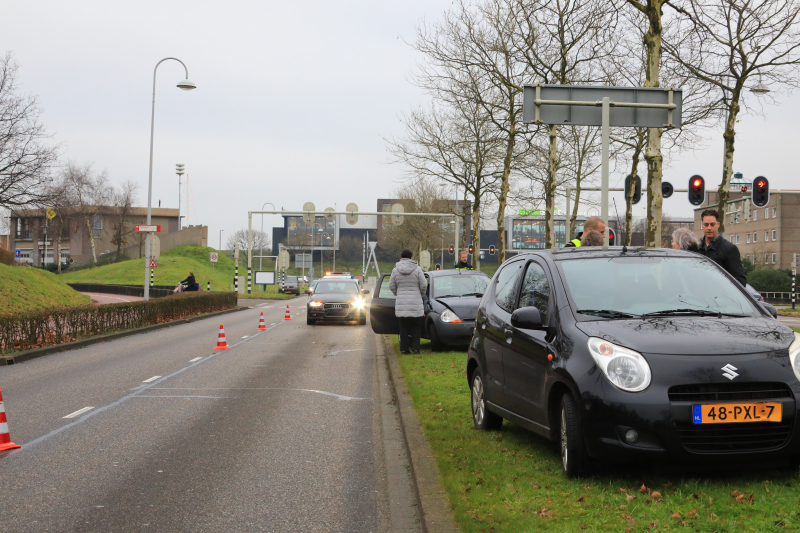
{"x": 381, "y": 309}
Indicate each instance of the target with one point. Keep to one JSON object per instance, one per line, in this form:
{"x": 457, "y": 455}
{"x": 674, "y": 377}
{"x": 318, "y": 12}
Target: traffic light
{"x": 637, "y": 192}
{"x": 760, "y": 191}
{"x": 697, "y": 190}
{"x": 667, "y": 189}
{"x": 452, "y": 249}
{"x": 491, "y": 250}
{"x": 471, "y": 249}
{"x": 438, "y": 266}
{"x": 745, "y": 188}
{"x": 612, "y": 237}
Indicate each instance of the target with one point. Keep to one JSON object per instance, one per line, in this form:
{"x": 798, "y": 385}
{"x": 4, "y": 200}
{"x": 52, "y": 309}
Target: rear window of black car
{"x": 639, "y": 285}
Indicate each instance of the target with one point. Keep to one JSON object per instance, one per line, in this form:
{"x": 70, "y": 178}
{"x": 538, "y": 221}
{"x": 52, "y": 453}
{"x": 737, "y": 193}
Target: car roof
{"x": 454, "y": 272}
{"x": 591, "y": 252}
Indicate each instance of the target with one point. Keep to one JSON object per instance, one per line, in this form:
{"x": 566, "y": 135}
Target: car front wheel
{"x": 574, "y": 458}
{"x": 483, "y": 419}
{"x": 436, "y": 341}
{"x": 310, "y": 322}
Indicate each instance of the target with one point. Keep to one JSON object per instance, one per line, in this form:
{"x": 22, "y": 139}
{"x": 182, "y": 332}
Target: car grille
{"x": 713, "y": 392}
{"x": 731, "y": 438}
{"x": 334, "y": 310}
{"x": 716, "y": 438}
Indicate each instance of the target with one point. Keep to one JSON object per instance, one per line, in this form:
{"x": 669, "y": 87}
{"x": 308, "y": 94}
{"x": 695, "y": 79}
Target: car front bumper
{"x": 319, "y": 313}
{"x": 455, "y": 334}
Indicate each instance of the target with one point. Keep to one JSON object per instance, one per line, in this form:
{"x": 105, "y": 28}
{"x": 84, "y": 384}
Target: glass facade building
{"x": 320, "y": 234}
{"x": 528, "y": 233}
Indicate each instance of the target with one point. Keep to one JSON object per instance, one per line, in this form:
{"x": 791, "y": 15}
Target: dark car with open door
{"x": 631, "y": 355}
{"x": 451, "y": 304}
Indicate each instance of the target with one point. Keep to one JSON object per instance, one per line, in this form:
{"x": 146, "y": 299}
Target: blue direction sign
{"x": 17, "y": 253}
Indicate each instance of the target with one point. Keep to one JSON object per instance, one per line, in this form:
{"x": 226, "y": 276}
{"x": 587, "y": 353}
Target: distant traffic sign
{"x": 213, "y": 257}
{"x": 17, "y": 253}
{"x": 153, "y": 264}
{"x": 145, "y": 228}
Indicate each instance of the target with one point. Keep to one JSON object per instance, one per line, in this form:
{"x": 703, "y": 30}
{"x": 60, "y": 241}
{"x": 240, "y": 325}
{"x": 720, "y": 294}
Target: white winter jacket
{"x": 409, "y": 285}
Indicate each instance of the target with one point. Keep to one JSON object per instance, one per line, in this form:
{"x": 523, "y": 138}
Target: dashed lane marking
{"x": 148, "y": 380}
{"x": 195, "y": 359}
{"x": 245, "y": 336}
{"x": 78, "y": 412}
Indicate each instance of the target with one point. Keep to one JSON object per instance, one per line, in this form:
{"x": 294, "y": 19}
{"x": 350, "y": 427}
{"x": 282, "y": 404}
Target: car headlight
{"x": 625, "y": 369}
{"x": 794, "y": 355}
{"x": 315, "y": 304}
{"x": 451, "y": 317}
{"x": 358, "y": 304}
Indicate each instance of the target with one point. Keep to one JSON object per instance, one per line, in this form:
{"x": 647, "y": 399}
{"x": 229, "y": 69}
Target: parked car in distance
{"x": 451, "y": 303}
{"x": 760, "y": 299}
{"x": 754, "y": 293}
{"x": 290, "y": 285}
{"x": 337, "y": 300}
{"x": 646, "y": 355}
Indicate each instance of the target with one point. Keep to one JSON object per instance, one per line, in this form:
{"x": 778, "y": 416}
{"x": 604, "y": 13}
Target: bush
{"x": 56, "y": 326}
{"x": 7, "y": 257}
{"x": 770, "y": 280}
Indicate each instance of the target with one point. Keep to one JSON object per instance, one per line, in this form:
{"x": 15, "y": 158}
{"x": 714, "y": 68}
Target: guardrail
{"x": 777, "y": 297}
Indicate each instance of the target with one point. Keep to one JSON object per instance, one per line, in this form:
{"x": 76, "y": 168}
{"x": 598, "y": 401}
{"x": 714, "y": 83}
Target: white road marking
{"x": 148, "y": 380}
{"x": 273, "y": 323}
{"x": 245, "y": 336}
{"x": 325, "y": 393}
{"x": 79, "y": 412}
{"x": 195, "y": 359}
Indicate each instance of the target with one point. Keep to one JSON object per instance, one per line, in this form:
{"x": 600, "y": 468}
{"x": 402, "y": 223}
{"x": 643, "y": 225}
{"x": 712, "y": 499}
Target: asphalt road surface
{"x": 160, "y": 432}
{"x": 99, "y": 298}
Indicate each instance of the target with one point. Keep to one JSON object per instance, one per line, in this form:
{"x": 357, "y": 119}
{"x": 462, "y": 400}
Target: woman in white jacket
{"x": 408, "y": 284}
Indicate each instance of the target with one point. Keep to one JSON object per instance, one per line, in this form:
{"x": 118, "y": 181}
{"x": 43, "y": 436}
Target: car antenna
{"x": 624, "y": 247}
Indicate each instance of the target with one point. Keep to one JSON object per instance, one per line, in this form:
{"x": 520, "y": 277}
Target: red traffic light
{"x": 697, "y": 183}
{"x": 761, "y": 183}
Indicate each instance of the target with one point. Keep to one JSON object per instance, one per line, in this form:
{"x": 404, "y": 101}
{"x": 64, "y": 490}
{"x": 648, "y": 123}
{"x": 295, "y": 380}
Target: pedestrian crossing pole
{"x": 151, "y": 277}
{"x": 236, "y": 280}
{"x": 249, "y": 279}
{"x": 794, "y": 280}
{"x": 208, "y": 286}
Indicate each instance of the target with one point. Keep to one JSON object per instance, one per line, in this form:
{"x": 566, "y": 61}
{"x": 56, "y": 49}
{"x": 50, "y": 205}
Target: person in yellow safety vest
{"x": 592, "y": 223}
{"x": 462, "y": 262}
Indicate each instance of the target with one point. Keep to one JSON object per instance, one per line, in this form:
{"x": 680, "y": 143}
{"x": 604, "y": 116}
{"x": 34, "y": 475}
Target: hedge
{"x": 56, "y": 326}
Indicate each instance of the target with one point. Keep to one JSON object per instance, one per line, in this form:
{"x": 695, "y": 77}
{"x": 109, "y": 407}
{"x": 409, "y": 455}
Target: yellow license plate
{"x": 727, "y": 413}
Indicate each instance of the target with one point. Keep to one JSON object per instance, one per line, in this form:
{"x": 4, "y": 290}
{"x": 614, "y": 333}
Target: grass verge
{"x": 511, "y": 480}
{"x": 24, "y": 289}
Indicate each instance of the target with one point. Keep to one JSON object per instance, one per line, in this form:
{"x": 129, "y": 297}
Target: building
{"x": 67, "y": 235}
{"x": 764, "y": 235}
{"x": 324, "y": 234}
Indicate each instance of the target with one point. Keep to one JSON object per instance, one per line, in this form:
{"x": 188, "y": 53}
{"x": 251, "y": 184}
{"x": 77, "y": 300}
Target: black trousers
{"x": 410, "y": 326}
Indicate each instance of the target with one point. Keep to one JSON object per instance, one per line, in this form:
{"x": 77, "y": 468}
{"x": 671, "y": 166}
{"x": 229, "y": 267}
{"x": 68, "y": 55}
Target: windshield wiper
{"x": 605, "y": 313}
{"x": 473, "y": 294}
{"x": 691, "y": 312}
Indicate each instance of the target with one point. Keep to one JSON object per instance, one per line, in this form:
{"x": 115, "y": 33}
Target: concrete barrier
{"x": 157, "y": 291}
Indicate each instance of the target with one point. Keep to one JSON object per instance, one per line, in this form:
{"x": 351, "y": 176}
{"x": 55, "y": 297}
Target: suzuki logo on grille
{"x": 729, "y": 371}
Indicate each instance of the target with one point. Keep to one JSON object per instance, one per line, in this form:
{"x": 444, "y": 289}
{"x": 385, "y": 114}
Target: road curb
{"x": 435, "y": 511}
{"x": 27, "y": 355}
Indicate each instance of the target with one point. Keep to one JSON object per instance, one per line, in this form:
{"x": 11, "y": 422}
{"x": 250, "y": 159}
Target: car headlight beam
{"x": 624, "y": 368}
{"x": 359, "y": 304}
{"x": 794, "y": 355}
{"x": 315, "y": 304}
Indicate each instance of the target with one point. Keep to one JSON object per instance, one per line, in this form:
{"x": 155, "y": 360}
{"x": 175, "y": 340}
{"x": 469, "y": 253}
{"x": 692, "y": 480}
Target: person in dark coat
{"x": 408, "y": 283}
{"x": 463, "y": 264}
{"x": 718, "y": 249}
{"x": 190, "y": 283}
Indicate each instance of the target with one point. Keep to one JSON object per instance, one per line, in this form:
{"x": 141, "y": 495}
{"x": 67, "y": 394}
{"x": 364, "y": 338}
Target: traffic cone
{"x": 5, "y": 438}
{"x": 221, "y": 344}
{"x": 261, "y": 325}
{"x": 287, "y": 316}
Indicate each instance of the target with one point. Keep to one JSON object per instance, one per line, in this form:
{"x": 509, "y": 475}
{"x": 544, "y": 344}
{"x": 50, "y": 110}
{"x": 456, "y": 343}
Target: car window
{"x": 444, "y": 286}
{"x": 535, "y": 289}
{"x": 340, "y": 287}
{"x": 385, "y": 291}
{"x": 505, "y": 295}
{"x": 291, "y": 279}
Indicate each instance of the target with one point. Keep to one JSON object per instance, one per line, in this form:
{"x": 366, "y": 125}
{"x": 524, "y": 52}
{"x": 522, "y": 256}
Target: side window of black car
{"x": 535, "y": 290}
{"x": 505, "y": 295}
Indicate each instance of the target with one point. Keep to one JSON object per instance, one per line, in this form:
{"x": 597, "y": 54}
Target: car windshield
{"x": 340, "y": 287}
{"x": 614, "y": 287}
{"x": 444, "y": 286}
{"x": 291, "y": 279}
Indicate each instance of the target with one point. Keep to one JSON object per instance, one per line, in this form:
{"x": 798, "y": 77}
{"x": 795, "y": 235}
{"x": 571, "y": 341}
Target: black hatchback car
{"x": 451, "y": 304}
{"x": 634, "y": 355}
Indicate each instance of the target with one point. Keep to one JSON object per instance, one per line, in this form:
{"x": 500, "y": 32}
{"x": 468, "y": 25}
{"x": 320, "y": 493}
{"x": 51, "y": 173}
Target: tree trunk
{"x": 476, "y": 233}
{"x": 637, "y": 152}
{"x": 550, "y": 189}
{"x": 652, "y": 40}
{"x": 727, "y": 165}
{"x": 501, "y": 208}
{"x": 91, "y": 239}
{"x": 464, "y": 221}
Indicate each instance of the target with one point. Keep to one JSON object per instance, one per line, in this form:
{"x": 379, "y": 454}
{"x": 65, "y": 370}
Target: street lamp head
{"x": 187, "y": 85}
{"x": 760, "y": 88}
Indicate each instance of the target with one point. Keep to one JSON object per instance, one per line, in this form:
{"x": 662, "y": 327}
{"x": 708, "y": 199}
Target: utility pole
{"x": 179, "y": 171}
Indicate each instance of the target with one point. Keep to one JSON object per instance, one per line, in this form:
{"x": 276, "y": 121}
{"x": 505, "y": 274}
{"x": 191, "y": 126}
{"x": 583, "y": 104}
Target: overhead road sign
{"x": 145, "y": 228}
{"x": 352, "y": 215}
{"x": 329, "y": 211}
{"x": 308, "y": 215}
{"x": 397, "y": 214}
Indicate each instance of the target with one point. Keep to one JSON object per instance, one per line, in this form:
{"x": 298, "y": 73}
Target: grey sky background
{"x": 293, "y": 101}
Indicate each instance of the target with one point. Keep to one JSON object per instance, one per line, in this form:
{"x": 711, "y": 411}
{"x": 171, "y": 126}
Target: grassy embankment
{"x": 173, "y": 266}
{"x": 511, "y": 480}
{"x": 25, "y": 289}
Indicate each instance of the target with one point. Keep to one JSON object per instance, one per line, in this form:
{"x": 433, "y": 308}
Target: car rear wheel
{"x": 310, "y": 322}
{"x": 574, "y": 458}
{"x": 436, "y": 342}
{"x": 483, "y": 419}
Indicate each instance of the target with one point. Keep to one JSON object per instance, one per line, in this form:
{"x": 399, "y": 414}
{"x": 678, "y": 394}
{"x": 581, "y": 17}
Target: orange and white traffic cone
{"x": 221, "y": 344}
{"x": 5, "y": 438}
{"x": 261, "y": 325}
{"x": 287, "y": 316}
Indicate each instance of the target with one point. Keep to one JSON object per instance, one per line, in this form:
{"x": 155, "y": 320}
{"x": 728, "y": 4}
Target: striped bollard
{"x": 151, "y": 278}
{"x": 249, "y": 278}
{"x": 236, "y": 280}
{"x": 208, "y": 286}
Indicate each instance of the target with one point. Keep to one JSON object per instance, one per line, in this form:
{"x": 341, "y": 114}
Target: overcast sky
{"x": 292, "y": 105}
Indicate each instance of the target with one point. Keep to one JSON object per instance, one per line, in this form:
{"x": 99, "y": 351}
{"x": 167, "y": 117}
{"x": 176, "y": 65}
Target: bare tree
{"x": 261, "y": 240}
{"x": 733, "y": 45}
{"x": 122, "y": 200}
{"x": 27, "y": 154}
{"x": 88, "y": 191}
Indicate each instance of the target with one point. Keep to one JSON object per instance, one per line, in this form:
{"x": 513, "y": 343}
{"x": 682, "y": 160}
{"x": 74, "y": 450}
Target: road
{"x": 280, "y": 433}
{"x": 99, "y": 298}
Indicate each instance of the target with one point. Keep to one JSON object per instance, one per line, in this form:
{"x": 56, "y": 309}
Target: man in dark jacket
{"x": 463, "y": 263}
{"x": 718, "y": 249}
{"x": 592, "y": 223}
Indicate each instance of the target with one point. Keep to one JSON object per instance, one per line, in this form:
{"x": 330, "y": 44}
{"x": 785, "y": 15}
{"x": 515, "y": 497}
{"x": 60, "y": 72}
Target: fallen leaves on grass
{"x": 643, "y": 489}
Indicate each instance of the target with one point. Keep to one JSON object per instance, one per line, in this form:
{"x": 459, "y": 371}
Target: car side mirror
{"x": 309, "y": 291}
{"x": 770, "y": 309}
{"x": 364, "y": 291}
{"x": 527, "y": 318}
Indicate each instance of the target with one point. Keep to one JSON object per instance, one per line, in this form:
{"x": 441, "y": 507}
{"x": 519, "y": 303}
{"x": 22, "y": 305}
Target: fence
{"x": 777, "y": 297}
{"x": 49, "y": 327}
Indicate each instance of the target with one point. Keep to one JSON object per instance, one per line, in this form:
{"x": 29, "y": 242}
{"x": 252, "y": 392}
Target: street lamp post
{"x": 179, "y": 170}
{"x": 261, "y": 237}
{"x": 186, "y": 85}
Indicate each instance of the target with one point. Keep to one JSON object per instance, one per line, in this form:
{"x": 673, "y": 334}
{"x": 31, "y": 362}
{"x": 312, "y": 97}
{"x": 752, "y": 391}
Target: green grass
{"x": 511, "y": 480}
{"x": 25, "y": 289}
